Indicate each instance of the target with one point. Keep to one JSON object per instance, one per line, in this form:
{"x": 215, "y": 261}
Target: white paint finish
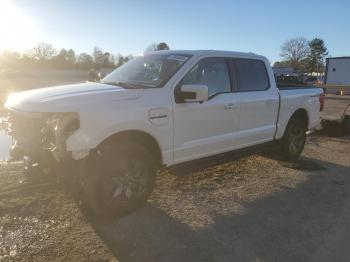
{"x": 159, "y": 116}
{"x": 191, "y": 130}
{"x": 294, "y": 99}
{"x": 69, "y": 98}
{"x": 341, "y": 75}
{"x": 105, "y": 119}
{"x": 258, "y": 115}
{"x": 202, "y": 129}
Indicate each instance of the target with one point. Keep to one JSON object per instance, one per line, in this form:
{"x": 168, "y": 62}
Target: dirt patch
{"x": 254, "y": 209}
{"x": 41, "y": 222}
{"x": 336, "y": 128}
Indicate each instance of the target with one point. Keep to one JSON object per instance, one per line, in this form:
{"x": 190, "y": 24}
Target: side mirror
{"x": 194, "y": 93}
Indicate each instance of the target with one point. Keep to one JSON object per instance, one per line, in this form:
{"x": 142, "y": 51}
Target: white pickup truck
{"x": 164, "y": 109}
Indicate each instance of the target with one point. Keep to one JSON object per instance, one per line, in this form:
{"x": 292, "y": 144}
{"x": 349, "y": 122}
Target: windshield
{"x": 147, "y": 71}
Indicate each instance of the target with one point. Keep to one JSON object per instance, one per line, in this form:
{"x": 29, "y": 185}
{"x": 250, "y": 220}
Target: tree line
{"x": 299, "y": 53}
{"x": 303, "y": 55}
{"x": 44, "y": 55}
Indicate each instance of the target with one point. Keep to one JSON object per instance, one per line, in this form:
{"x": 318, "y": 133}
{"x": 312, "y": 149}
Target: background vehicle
{"x": 164, "y": 109}
{"x": 290, "y": 80}
{"x": 314, "y": 80}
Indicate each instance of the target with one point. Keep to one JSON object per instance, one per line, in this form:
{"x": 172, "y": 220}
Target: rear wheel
{"x": 294, "y": 138}
{"x": 120, "y": 179}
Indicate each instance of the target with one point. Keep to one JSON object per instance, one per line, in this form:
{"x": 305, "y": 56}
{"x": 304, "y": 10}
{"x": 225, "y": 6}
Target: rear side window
{"x": 252, "y": 75}
{"x": 212, "y": 72}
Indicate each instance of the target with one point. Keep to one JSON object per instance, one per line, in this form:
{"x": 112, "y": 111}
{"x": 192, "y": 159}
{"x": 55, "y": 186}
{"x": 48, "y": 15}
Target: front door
{"x": 206, "y": 128}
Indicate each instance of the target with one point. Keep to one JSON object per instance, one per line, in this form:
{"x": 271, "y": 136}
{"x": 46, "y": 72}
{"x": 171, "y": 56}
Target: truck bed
{"x": 297, "y": 96}
{"x": 294, "y": 86}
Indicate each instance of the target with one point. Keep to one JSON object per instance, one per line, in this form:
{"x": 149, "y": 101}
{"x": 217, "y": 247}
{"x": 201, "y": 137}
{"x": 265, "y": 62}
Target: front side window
{"x": 252, "y": 75}
{"x": 147, "y": 71}
{"x": 211, "y": 72}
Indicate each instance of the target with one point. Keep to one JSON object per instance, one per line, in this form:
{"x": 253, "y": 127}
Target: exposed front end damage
{"x": 40, "y": 139}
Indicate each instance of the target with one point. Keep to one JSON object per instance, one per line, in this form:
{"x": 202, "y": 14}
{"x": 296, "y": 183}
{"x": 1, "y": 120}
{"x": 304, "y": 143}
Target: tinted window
{"x": 211, "y": 72}
{"x": 252, "y": 75}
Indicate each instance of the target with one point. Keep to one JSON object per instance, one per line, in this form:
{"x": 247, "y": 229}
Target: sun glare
{"x": 17, "y": 30}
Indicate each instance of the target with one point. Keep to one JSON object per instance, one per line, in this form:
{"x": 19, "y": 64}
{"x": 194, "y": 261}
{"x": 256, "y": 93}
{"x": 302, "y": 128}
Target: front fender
{"x": 86, "y": 140}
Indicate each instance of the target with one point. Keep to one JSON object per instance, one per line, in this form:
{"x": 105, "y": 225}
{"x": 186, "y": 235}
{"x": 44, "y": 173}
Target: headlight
{"x": 59, "y": 127}
{"x": 67, "y": 125}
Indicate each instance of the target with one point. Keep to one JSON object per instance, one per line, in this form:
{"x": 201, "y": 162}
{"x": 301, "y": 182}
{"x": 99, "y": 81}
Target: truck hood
{"x": 68, "y": 98}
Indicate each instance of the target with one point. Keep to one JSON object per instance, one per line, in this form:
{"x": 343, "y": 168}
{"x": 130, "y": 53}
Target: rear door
{"x": 259, "y": 101}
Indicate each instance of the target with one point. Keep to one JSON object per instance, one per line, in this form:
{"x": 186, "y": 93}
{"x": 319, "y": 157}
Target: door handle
{"x": 230, "y": 106}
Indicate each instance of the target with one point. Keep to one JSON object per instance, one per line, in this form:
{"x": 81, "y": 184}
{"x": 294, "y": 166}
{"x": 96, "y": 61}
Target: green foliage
{"x": 316, "y": 57}
{"x": 120, "y": 60}
{"x": 102, "y": 59}
{"x": 85, "y": 61}
{"x": 64, "y": 59}
{"x": 162, "y": 46}
{"x": 303, "y": 55}
{"x": 157, "y": 47}
{"x": 282, "y": 64}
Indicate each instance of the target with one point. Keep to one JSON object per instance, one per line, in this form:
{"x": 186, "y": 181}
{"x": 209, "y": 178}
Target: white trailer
{"x": 338, "y": 71}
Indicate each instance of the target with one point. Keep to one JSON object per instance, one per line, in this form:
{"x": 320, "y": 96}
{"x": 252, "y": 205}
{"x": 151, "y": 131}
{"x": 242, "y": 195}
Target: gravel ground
{"x": 335, "y": 105}
{"x": 254, "y": 209}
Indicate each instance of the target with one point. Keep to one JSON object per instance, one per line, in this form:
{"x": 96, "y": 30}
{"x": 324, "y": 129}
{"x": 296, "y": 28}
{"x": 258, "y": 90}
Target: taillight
{"x": 322, "y": 100}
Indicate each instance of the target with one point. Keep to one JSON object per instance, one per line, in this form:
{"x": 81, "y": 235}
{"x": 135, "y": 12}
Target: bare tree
{"x": 42, "y": 51}
{"x": 295, "y": 51}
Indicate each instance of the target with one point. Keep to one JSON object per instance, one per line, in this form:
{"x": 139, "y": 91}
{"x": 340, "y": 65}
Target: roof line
{"x": 339, "y": 57}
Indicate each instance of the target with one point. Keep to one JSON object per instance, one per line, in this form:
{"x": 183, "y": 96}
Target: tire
{"x": 294, "y": 138}
{"x": 33, "y": 172}
{"x": 119, "y": 179}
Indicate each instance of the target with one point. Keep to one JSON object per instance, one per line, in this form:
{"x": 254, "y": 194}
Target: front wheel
{"x": 294, "y": 138}
{"x": 120, "y": 179}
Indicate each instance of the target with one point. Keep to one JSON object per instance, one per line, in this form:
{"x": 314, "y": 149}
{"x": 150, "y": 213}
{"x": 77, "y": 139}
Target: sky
{"x": 128, "y": 27}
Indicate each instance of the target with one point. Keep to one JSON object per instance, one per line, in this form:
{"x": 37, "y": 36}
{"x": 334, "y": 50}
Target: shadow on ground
{"x": 306, "y": 223}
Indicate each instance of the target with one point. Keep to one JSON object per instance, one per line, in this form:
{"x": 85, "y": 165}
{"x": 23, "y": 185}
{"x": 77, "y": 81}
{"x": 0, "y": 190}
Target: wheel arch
{"x": 301, "y": 113}
{"x": 292, "y": 148}
{"x": 140, "y": 137}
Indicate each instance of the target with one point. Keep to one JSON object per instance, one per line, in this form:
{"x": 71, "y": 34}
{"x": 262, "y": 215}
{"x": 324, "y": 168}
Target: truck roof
{"x": 210, "y": 52}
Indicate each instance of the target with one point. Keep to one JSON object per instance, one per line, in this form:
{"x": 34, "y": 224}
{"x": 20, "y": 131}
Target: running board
{"x": 219, "y": 159}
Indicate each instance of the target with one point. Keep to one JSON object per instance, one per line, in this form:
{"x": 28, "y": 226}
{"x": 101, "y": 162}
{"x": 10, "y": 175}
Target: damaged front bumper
{"x": 40, "y": 138}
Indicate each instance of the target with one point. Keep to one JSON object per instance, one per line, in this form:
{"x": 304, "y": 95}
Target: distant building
{"x": 338, "y": 71}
